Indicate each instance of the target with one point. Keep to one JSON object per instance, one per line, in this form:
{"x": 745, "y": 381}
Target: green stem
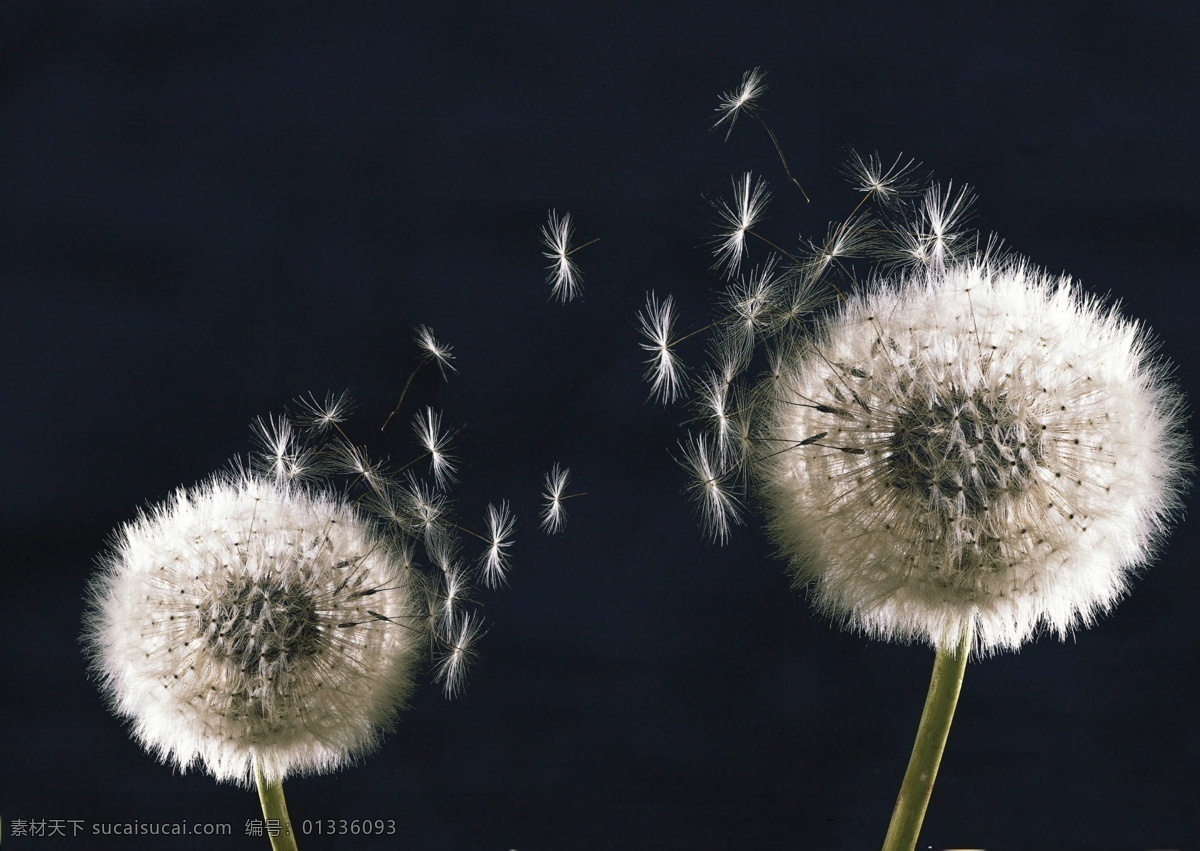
{"x": 948, "y": 668}
{"x": 270, "y": 793}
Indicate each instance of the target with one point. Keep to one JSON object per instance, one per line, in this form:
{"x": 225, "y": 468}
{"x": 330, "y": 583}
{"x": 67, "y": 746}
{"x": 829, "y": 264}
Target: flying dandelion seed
{"x": 749, "y": 204}
{"x": 553, "y": 514}
{"x": 710, "y": 487}
{"x": 428, "y": 429}
{"x": 500, "y": 525}
{"x": 435, "y": 351}
{"x": 663, "y": 368}
{"x": 563, "y": 276}
{"x": 457, "y": 651}
{"x": 742, "y": 99}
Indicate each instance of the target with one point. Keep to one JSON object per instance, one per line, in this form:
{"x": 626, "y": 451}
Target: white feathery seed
{"x": 867, "y": 175}
{"x": 749, "y": 302}
{"x": 500, "y": 524}
{"x": 427, "y": 426}
{"x": 940, "y": 236}
{"x": 455, "y": 590}
{"x": 742, "y": 99}
{"x": 460, "y": 633}
{"x": 663, "y": 368}
{"x": 553, "y": 514}
{"x": 976, "y": 446}
{"x": 749, "y": 204}
{"x": 710, "y": 487}
{"x": 842, "y": 240}
{"x": 426, "y": 510}
{"x": 245, "y": 620}
{"x": 353, "y": 460}
{"x": 562, "y": 274}
{"x": 281, "y": 456}
{"x": 319, "y": 417}
{"x": 436, "y": 351}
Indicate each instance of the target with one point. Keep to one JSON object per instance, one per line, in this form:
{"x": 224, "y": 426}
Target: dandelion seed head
{"x": 974, "y": 445}
{"x": 246, "y": 620}
{"x": 346, "y": 458}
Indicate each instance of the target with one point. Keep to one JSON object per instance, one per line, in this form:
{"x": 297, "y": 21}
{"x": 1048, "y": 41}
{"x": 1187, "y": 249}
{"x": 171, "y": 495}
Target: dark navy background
{"x": 208, "y": 209}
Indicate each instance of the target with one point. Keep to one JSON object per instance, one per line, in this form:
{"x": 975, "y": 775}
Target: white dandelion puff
{"x": 975, "y": 449}
{"x": 562, "y": 274}
{"x": 496, "y": 561}
{"x": 663, "y": 368}
{"x": 553, "y": 514}
{"x": 742, "y": 99}
{"x": 749, "y": 204}
{"x": 245, "y": 622}
{"x": 963, "y": 451}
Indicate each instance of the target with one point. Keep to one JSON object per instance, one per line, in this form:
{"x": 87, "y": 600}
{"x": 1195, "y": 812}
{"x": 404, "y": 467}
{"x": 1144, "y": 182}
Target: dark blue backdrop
{"x": 208, "y": 209}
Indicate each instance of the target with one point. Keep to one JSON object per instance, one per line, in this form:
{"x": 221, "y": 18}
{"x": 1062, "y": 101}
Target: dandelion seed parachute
{"x": 977, "y": 446}
{"x": 553, "y": 513}
{"x": 749, "y": 205}
{"x": 564, "y": 277}
{"x": 248, "y": 620}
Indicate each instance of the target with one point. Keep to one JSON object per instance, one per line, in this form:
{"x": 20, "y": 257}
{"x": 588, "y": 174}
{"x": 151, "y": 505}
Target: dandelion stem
{"x": 270, "y": 793}
{"x": 782, "y": 159}
{"x": 403, "y": 393}
{"x": 585, "y": 245}
{"x": 948, "y": 668}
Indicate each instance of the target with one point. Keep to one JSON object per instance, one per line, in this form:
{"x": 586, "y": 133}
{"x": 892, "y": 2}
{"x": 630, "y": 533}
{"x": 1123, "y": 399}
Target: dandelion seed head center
{"x": 262, "y": 620}
{"x": 961, "y": 451}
